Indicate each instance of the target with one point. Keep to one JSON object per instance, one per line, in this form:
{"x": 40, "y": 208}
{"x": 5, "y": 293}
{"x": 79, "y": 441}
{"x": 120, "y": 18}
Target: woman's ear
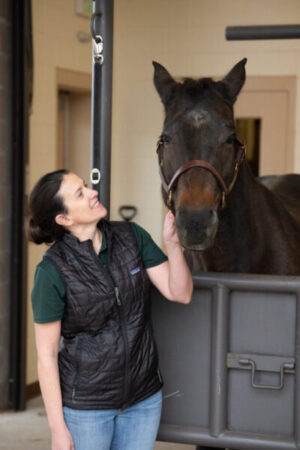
{"x": 63, "y": 220}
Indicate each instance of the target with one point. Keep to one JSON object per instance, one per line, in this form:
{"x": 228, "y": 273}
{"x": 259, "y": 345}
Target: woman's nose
{"x": 93, "y": 193}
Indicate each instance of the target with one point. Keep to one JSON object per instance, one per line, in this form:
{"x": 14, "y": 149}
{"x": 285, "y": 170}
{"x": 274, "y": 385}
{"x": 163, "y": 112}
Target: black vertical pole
{"x": 102, "y": 31}
{"x": 22, "y": 63}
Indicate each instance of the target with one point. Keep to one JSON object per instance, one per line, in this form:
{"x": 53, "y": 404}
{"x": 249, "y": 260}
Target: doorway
{"x": 270, "y": 103}
{"x": 74, "y": 123}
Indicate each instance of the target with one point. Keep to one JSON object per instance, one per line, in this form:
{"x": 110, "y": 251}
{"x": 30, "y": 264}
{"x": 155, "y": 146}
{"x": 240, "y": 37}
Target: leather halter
{"x": 169, "y": 186}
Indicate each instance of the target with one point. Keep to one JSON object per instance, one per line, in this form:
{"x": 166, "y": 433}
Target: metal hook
{"x": 98, "y": 49}
{"x": 93, "y": 20}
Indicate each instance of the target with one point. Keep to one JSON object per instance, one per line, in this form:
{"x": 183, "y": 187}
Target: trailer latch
{"x": 262, "y": 363}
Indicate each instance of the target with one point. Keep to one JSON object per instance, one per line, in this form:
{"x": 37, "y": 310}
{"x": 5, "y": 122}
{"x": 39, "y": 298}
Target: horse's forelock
{"x": 199, "y": 86}
{"x": 197, "y": 89}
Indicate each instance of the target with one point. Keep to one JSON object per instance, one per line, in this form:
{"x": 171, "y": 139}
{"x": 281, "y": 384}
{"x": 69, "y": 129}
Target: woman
{"x": 97, "y": 360}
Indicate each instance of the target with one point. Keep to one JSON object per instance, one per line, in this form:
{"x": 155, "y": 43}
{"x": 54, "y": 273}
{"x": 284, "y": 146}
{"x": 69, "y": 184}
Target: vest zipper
{"x": 119, "y": 303}
{"x": 122, "y": 322}
{"x": 125, "y": 339}
{"x": 77, "y": 354}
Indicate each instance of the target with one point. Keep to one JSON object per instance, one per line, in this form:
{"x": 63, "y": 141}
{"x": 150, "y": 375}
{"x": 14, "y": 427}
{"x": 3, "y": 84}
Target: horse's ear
{"x": 235, "y": 80}
{"x": 163, "y": 82}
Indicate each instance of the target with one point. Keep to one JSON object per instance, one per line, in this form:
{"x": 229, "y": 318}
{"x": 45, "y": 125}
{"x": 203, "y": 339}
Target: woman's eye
{"x": 81, "y": 191}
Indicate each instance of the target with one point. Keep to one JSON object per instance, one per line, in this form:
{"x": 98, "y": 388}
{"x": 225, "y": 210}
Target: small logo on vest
{"x": 134, "y": 271}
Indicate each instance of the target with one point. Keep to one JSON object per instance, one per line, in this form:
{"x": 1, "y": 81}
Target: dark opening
{"x": 248, "y": 131}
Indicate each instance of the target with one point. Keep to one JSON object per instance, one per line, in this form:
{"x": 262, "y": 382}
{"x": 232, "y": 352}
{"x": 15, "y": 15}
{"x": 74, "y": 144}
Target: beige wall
{"x": 187, "y": 36}
{"x": 55, "y": 46}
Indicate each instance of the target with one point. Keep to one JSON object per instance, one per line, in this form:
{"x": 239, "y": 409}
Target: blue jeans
{"x": 134, "y": 428}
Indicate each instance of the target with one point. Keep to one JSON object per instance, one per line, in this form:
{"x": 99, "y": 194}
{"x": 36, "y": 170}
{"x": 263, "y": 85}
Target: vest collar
{"x": 74, "y": 242}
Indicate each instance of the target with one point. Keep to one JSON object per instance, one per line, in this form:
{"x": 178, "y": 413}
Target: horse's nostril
{"x": 196, "y": 228}
{"x": 195, "y": 220}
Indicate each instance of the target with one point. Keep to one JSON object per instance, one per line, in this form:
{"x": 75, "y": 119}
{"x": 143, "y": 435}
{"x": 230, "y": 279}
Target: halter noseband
{"x": 169, "y": 186}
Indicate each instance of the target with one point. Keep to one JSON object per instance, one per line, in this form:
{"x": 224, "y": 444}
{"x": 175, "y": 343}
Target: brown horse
{"x": 227, "y": 219}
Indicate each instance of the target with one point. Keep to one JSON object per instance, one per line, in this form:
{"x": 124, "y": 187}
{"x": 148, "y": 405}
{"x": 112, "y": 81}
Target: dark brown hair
{"x": 44, "y": 205}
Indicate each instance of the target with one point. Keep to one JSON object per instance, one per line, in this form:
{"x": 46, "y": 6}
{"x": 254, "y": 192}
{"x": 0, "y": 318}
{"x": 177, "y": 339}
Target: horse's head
{"x": 199, "y": 128}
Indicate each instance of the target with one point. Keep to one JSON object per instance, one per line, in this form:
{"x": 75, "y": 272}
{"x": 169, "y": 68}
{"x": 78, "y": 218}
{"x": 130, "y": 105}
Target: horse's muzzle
{"x": 196, "y": 229}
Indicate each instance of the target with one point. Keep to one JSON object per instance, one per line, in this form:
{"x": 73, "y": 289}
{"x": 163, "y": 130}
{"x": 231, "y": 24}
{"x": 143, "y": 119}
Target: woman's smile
{"x": 82, "y": 203}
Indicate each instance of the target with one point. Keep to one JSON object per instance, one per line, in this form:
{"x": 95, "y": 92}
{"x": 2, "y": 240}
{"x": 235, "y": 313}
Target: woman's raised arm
{"x": 173, "y": 277}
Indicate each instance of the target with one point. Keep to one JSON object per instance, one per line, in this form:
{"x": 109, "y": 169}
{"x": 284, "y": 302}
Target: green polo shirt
{"x": 48, "y": 293}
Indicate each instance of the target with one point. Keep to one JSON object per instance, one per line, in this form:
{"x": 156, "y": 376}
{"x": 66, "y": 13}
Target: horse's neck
{"x": 238, "y": 223}
{"x": 248, "y": 230}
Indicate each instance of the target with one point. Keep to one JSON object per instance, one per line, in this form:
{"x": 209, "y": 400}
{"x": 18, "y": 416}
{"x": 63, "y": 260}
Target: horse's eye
{"x": 165, "y": 139}
{"x": 231, "y": 139}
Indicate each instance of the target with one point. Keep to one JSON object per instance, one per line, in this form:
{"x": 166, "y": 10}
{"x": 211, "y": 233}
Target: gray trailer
{"x": 229, "y": 362}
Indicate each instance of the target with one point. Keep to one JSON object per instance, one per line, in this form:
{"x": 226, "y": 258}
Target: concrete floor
{"x": 28, "y": 430}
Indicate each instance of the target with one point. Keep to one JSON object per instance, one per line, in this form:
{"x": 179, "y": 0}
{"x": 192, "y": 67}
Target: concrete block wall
{"x": 5, "y": 193}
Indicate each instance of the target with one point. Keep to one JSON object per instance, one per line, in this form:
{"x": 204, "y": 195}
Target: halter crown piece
{"x": 169, "y": 186}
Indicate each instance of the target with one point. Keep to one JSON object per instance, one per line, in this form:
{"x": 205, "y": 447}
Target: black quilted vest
{"x": 108, "y": 356}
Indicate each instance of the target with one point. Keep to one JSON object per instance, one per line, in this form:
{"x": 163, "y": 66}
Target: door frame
{"x": 68, "y": 81}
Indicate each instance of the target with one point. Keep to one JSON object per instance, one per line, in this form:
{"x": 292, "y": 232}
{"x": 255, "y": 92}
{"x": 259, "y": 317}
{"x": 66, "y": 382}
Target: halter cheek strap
{"x": 170, "y": 186}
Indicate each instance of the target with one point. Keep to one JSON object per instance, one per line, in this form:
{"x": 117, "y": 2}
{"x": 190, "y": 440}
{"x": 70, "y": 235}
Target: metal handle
{"x": 250, "y": 362}
{"x": 127, "y": 212}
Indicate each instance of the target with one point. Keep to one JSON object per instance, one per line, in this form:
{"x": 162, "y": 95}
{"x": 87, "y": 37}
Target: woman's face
{"x": 81, "y": 202}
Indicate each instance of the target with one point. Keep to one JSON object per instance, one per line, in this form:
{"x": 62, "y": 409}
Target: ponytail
{"x": 44, "y": 205}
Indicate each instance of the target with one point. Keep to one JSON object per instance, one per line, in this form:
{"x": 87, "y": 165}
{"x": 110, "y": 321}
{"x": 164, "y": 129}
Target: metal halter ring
{"x": 95, "y": 176}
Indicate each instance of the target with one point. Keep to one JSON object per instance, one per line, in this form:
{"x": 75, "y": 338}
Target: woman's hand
{"x": 172, "y": 278}
{"x": 62, "y": 439}
{"x": 169, "y": 231}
